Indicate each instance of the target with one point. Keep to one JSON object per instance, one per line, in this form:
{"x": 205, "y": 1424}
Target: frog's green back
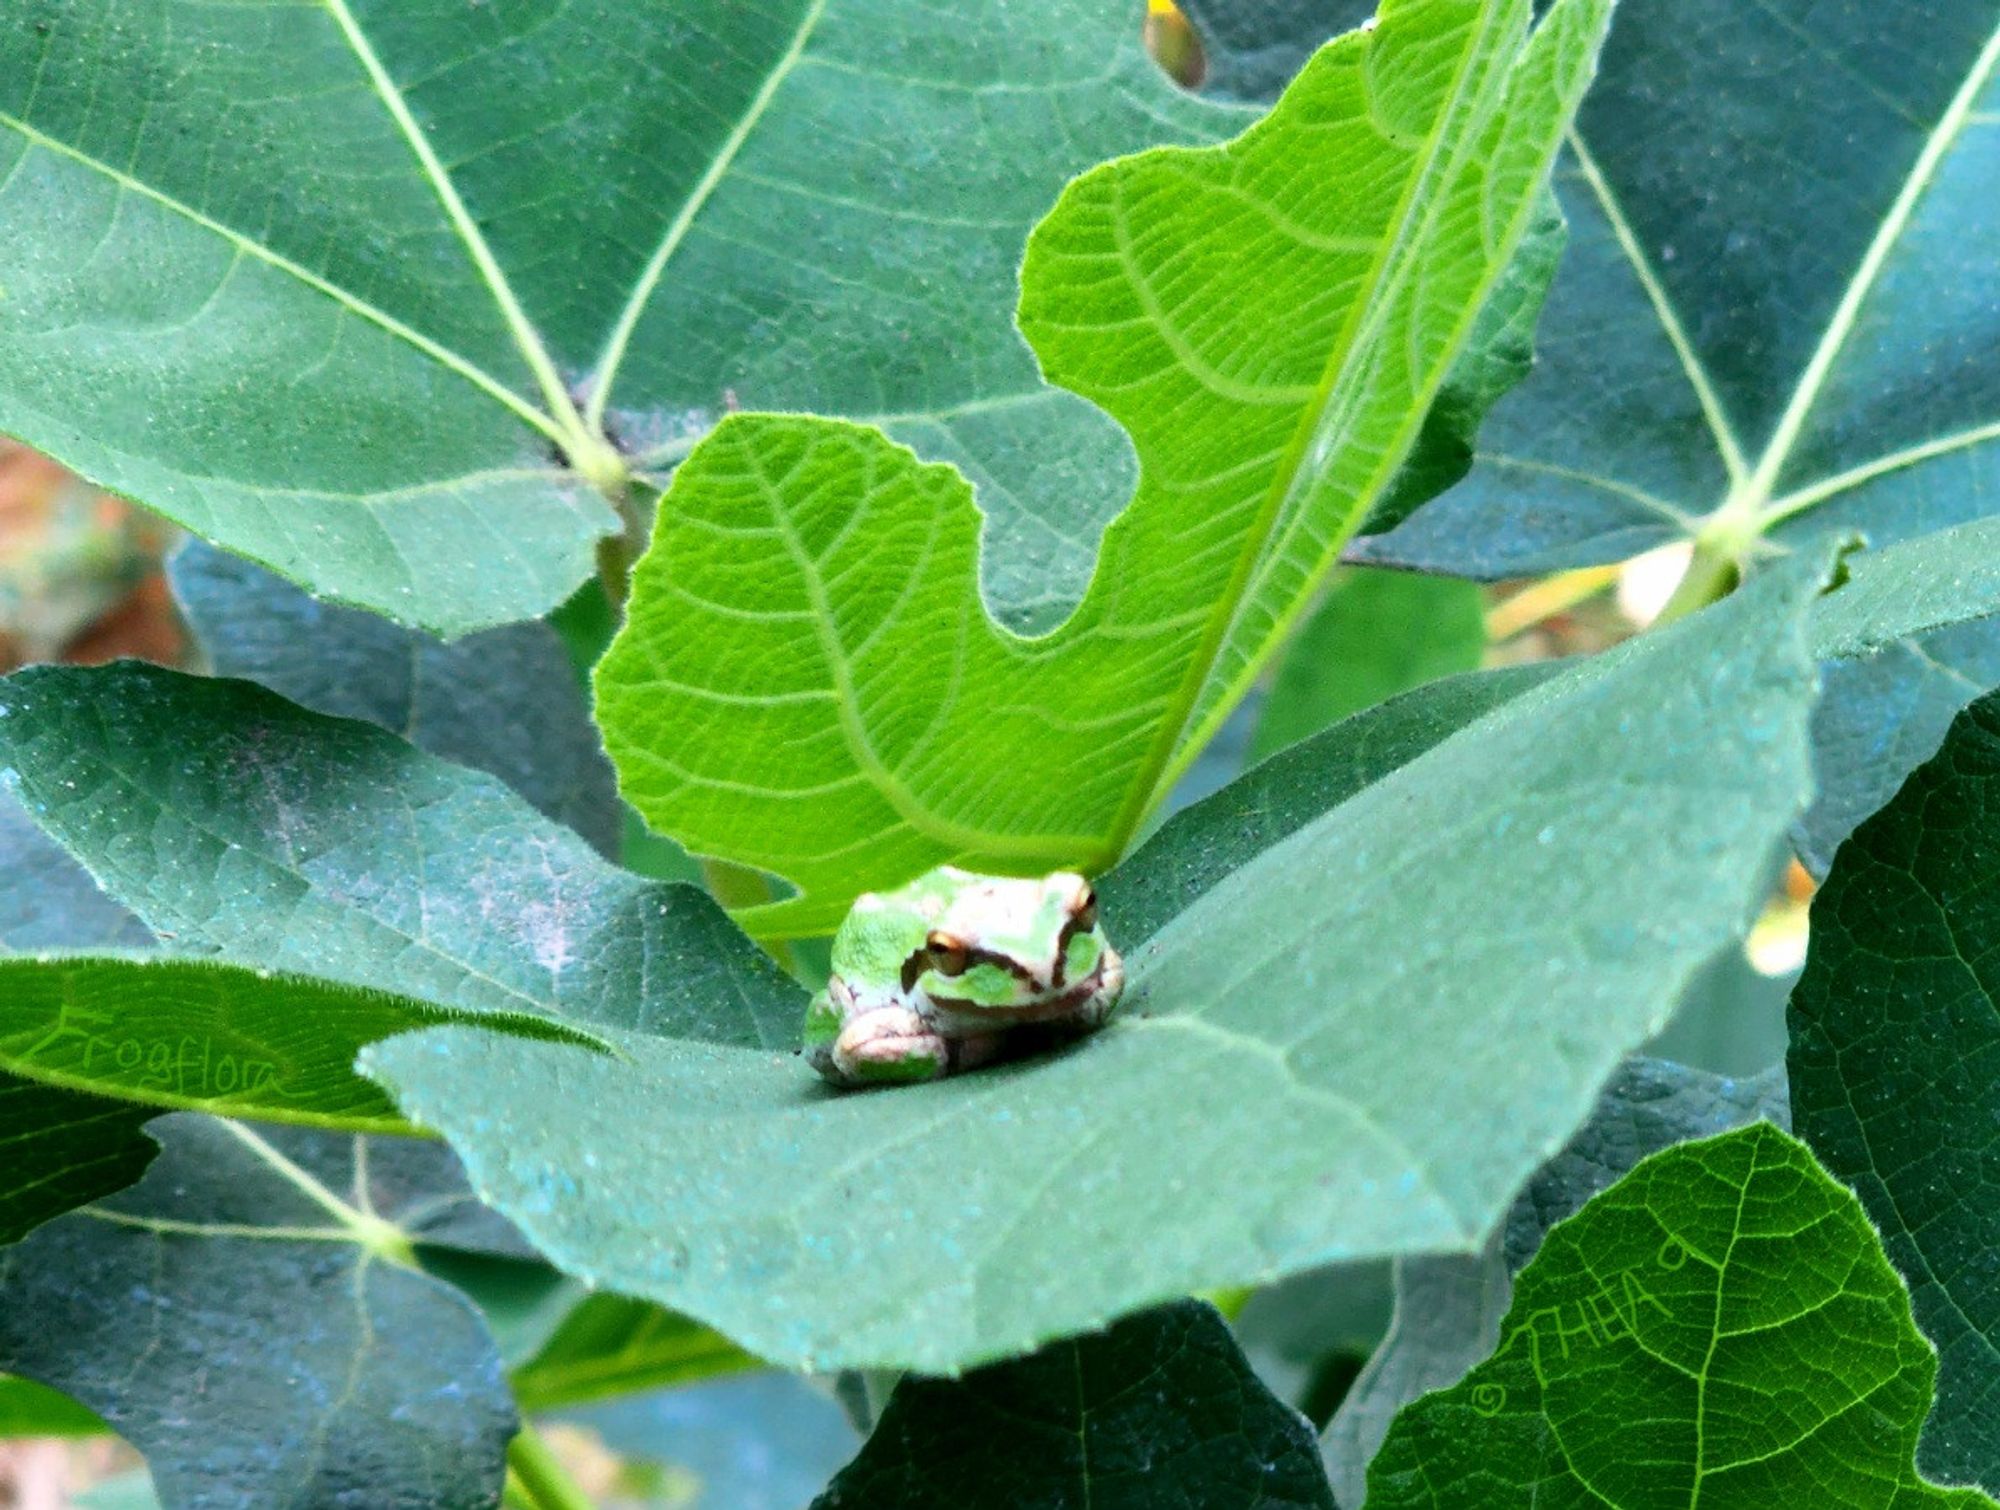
{"x": 878, "y": 934}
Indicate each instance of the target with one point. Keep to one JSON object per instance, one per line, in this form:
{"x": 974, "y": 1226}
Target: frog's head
{"x": 1019, "y": 948}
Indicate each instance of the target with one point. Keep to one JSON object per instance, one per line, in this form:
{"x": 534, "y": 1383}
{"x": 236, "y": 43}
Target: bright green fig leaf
{"x": 808, "y": 683}
{"x": 414, "y": 275}
{"x": 505, "y": 701}
{"x": 1420, "y": 1070}
{"x": 1162, "y": 1409}
{"x": 1721, "y": 1327}
{"x": 28, "y": 1409}
{"x": 1377, "y": 633}
{"x": 212, "y": 1036}
{"x": 1894, "y": 1057}
{"x": 246, "y": 1317}
{"x": 608, "y": 1345}
{"x": 319, "y": 846}
{"x": 1449, "y": 1309}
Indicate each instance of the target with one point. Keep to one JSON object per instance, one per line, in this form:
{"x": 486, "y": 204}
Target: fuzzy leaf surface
{"x": 808, "y": 682}
{"x": 505, "y": 701}
{"x": 1719, "y": 1327}
{"x": 1586, "y": 881}
{"x": 246, "y": 826}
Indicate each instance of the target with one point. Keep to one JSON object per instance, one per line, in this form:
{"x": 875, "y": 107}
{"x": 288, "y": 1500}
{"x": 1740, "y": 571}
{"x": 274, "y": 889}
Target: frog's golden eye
{"x": 1085, "y": 916}
{"x": 948, "y": 955}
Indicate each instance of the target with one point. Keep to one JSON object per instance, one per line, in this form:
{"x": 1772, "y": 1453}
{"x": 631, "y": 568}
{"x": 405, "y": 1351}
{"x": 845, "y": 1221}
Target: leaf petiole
{"x": 539, "y": 1476}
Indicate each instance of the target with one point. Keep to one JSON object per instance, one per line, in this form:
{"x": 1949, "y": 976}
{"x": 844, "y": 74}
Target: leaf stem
{"x": 543, "y": 1481}
{"x": 618, "y": 554}
{"x": 1712, "y": 574}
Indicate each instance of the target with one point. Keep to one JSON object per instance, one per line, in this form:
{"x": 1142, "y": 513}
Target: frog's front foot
{"x": 889, "y": 1046}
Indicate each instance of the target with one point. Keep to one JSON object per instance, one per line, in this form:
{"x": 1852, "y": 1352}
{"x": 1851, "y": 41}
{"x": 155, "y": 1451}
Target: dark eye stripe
{"x": 921, "y": 960}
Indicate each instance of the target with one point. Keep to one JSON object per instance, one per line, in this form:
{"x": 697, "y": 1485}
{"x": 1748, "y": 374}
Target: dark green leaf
{"x": 1777, "y": 303}
{"x": 1160, "y": 1411}
{"x": 240, "y": 823}
{"x": 241, "y": 1317}
{"x": 1721, "y": 1327}
{"x": 399, "y": 262}
{"x": 1423, "y": 987}
{"x": 211, "y": 1036}
{"x": 1449, "y": 1310}
{"x": 1377, "y": 633}
{"x": 1200, "y": 845}
{"x": 1894, "y": 1058}
{"x": 60, "y": 1150}
{"x": 1791, "y": 340}
{"x": 505, "y": 702}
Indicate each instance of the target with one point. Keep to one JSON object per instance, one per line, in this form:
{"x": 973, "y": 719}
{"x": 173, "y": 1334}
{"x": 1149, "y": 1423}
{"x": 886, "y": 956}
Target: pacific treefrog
{"x": 957, "y": 969}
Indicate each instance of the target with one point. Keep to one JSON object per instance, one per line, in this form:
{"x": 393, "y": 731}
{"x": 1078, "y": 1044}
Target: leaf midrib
{"x": 1191, "y": 744}
{"x": 1155, "y": 773}
{"x": 1750, "y": 505}
{"x": 611, "y": 359}
{"x": 1943, "y": 139}
{"x": 527, "y": 340}
{"x": 361, "y": 308}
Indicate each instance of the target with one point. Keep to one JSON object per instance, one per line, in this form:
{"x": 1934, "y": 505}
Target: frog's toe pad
{"x": 889, "y": 1047}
